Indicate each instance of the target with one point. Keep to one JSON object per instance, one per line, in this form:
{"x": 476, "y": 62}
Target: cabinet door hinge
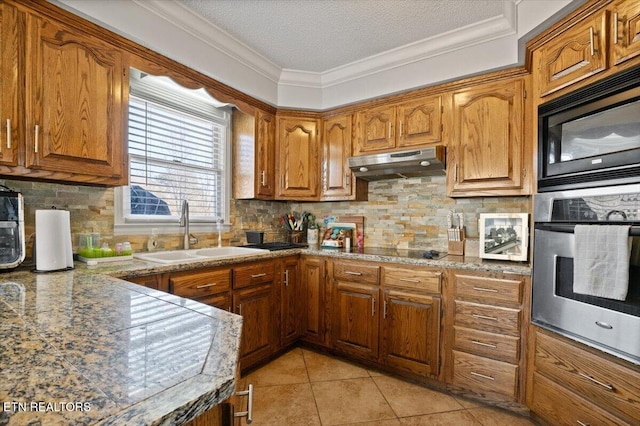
{"x": 524, "y": 172}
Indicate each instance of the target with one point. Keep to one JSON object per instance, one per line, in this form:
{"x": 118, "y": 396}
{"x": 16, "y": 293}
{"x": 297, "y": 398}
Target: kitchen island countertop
{"x": 80, "y": 347}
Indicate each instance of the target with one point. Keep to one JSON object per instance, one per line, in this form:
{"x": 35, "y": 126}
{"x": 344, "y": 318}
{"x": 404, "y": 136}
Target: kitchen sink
{"x": 197, "y": 255}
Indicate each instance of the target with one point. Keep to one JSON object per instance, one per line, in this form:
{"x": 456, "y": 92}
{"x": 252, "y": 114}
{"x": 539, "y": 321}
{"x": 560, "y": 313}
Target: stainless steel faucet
{"x": 184, "y": 222}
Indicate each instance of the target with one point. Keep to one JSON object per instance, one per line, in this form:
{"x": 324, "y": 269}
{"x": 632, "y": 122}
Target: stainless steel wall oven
{"x": 607, "y": 324}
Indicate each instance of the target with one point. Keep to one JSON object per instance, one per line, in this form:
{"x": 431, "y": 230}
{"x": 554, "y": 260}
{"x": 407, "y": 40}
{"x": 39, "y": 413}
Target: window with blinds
{"x": 177, "y": 151}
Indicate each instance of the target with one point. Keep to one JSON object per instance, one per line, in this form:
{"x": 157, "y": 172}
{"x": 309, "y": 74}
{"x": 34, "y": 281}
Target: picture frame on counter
{"x": 504, "y": 236}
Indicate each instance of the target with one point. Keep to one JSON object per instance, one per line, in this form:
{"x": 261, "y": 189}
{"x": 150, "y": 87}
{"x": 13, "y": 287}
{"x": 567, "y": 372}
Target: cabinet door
{"x": 487, "y": 141}
{"x": 75, "y": 119}
{"x": 420, "y": 122}
{"x": 314, "y": 296}
{"x": 337, "y": 180}
{"x": 265, "y": 155}
{"x": 355, "y": 319}
{"x": 376, "y": 130}
{"x": 298, "y": 163}
{"x": 291, "y": 302}
{"x": 410, "y": 331}
{"x": 574, "y": 55}
{"x": 255, "y": 305}
{"x": 625, "y": 34}
{"x": 11, "y": 44}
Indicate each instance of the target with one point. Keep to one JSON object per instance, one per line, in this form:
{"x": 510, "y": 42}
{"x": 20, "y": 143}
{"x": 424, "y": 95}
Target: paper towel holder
{"x": 52, "y": 249}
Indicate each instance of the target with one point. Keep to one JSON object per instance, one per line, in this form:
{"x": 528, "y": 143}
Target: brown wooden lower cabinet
{"x": 494, "y": 380}
{"x": 256, "y": 306}
{"x": 568, "y": 368}
{"x": 314, "y": 300}
{"x": 355, "y": 319}
{"x": 291, "y": 301}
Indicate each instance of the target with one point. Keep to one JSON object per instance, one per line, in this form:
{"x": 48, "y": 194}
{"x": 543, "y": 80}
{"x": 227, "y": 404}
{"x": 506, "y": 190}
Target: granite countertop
{"x": 375, "y": 254}
{"x": 80, "y": 347}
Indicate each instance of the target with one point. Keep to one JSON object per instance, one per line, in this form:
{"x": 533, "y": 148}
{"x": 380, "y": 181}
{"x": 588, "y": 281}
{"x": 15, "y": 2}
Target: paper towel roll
{"x": 53, "y": 240}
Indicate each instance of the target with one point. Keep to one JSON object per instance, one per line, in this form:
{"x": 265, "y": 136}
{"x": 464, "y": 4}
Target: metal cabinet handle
{"x": 249, "y": 413}
{"x": 206, "y": 285}
{"x": 240, "y": 309}
{"x": 373, "y": 306}
{"x": 347, "y": 179}
{"x": 484, "y": 317}
{"x": 258, "y": 275}
{"x": 483, "y": 376}
{"x": 410, "y": 280}
{"x": 401, "y": 126}
{"x": 488, "y": 290}
{"x": 488, "y": 345}
{"x": 286, "y": 277}
{"x": 37, "y": 131}
{"x": 592, "y": 48}
{"x": 353, "y": 273}
{"x": 582, "y": 423}
{"x": 384, "y": 309}
{"x": 598, "y": 382}
{"x": 8, "y": 133}
{"x": 263, "y": 178}
{"x": 615, "y": 28}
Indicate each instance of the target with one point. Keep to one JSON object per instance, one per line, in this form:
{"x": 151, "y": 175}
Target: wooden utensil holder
{"x": 456, "y": 247}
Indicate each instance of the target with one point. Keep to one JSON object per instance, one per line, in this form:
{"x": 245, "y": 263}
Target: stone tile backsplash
{"x": 402, "y": 213}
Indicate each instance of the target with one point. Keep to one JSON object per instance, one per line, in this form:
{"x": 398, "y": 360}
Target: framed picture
{"x": 504, "y": 236}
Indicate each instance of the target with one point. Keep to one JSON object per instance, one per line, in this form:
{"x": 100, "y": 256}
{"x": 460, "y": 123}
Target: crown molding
{"x": 215, "y": 37}
{"x": 458, "y": 39}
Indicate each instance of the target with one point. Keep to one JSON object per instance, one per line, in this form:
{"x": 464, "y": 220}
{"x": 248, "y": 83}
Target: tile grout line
{"x": 315, "y": 401}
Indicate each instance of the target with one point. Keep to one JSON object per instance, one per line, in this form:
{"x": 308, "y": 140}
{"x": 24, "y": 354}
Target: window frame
{"x": 147, "y": 224}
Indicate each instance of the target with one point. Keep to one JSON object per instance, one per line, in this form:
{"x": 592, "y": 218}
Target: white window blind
{"x": 176, "y": 152}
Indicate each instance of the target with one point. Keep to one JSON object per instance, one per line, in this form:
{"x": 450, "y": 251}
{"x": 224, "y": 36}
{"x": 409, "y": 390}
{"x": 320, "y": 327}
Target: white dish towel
{"x": 601, "y": 260}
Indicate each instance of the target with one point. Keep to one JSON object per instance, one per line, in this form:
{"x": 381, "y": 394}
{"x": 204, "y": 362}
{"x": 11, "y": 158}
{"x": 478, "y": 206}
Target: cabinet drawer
{"x": 484, "y": 375}
{"x": 429, "y": 281}
{"x": 491, "y": 345}
{"x": 357, "y": 272}
{"x": 253, "y": 274}
{"x": 493, "y": 319}
{"x": 563, "y": 407}
{"x": 203, "y": 283}
{"x": 615, "y": 388}
{"x": 218, "y": 300}
{"x": 488, "y": 290}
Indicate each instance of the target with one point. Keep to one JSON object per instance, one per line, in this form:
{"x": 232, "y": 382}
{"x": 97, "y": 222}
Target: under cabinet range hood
{"x": 400, "y": 164}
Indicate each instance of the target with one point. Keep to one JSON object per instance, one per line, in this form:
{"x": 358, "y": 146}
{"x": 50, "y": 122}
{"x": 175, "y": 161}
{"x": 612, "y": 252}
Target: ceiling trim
{"x": 451, "y": 41}
{"x": 217, "y": 38}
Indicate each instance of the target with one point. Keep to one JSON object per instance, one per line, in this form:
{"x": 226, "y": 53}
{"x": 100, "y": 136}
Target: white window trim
{"x": 169, "y": 225}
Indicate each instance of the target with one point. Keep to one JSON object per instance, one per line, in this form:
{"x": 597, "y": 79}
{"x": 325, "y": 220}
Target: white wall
{"x": 190, "y": 41}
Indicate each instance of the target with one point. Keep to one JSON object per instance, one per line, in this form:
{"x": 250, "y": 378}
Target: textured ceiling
{"x": 320, "y": 35}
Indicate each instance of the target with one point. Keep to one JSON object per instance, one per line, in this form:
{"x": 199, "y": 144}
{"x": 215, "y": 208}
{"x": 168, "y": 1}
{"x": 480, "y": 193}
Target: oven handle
{"x": 568, "y": 228}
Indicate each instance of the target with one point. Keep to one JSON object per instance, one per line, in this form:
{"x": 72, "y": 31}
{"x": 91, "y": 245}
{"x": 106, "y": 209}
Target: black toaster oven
{"x": 12, "y": 244}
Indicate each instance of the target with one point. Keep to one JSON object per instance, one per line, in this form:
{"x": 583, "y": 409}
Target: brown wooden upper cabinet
{"x": 389, "y": 128}
{"x": 254, "y": 152}
{"x": 338, "y": 182}
{"x": 625, "y": 31}
{"x": 297, "y": 151}
{"x": 485, "y": 153}
{"x": 10, "y": 83}
{"x": 75, "y": 86}
{"x": 582, "y": 49}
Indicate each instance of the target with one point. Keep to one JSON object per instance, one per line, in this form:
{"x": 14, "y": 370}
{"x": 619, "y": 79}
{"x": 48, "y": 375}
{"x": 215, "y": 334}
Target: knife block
{"x": 456, "y": 247}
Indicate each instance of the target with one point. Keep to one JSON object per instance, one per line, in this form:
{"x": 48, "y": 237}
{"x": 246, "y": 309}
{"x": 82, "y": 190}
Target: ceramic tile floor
{"x": 303, "y": 388}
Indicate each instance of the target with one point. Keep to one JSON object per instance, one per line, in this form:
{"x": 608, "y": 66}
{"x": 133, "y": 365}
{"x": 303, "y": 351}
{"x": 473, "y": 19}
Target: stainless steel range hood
{"x": 403, "y": 164}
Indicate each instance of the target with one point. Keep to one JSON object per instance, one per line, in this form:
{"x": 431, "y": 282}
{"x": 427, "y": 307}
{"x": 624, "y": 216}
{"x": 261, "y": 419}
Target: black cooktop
{"x": 276, "y": 245}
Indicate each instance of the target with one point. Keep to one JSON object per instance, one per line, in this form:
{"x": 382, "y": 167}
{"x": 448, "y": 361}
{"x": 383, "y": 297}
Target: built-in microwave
{"x": 591, "y": 137}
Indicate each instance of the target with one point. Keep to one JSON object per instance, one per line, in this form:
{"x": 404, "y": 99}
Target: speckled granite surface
{"x": 81, "y": 347}
{"x": 84, "y": 347}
